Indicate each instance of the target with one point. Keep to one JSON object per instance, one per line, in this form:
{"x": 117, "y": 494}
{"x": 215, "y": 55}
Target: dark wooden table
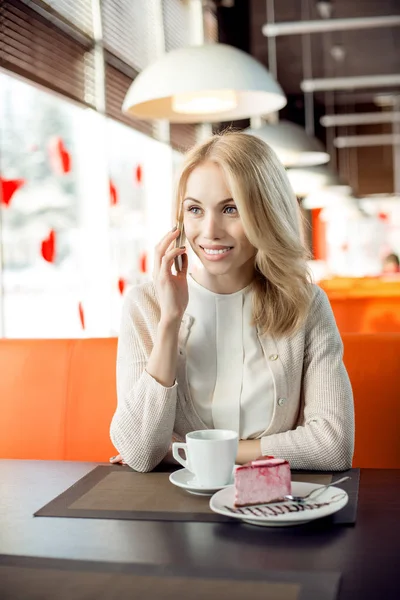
{"x": 366, "y": 554}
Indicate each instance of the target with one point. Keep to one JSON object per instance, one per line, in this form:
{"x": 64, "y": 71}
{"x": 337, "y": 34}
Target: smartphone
{"x": 180, "y": 241}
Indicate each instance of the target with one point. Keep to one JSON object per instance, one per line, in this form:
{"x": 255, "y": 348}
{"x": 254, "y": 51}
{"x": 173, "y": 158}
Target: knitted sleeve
{"x": 324, "y": 437}
{"x": 141, "y": 428}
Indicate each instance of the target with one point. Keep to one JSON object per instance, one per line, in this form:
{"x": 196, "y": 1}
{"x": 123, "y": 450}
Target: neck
{"x": 224, "y": 284}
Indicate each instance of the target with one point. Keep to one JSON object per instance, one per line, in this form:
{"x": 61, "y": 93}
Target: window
{"x": 84, "y": 201}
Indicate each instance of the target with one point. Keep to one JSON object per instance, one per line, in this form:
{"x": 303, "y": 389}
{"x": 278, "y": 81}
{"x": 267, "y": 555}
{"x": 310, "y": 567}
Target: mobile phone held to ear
{"x": 180, "y": 241}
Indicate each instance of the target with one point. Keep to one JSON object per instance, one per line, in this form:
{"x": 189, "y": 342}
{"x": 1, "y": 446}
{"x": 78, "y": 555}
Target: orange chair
{"x": 58, "y": 398}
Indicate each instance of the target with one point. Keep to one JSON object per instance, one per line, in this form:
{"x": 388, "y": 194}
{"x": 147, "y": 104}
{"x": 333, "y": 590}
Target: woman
{"x": 246, "y": 342}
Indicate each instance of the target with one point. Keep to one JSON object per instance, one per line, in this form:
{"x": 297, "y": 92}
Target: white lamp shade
{"x": 209, "y": 83}
{"x": 305, "y": 181}
{"x": 292, "y": 145}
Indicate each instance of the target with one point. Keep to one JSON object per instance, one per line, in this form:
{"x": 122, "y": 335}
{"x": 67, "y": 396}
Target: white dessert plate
{"x": 183, "y": 478}
{"x": 282, "y": 514}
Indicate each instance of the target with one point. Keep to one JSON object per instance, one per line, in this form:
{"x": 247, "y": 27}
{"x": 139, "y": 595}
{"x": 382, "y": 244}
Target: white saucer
{"x": 327, "y": 503}
{"x": 186, "y": 480}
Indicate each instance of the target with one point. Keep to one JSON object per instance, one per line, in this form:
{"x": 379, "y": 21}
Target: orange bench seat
{"x": 58, "y": 397}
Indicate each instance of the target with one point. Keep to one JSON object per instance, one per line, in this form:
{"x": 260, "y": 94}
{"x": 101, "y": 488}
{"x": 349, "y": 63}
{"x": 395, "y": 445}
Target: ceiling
{"x": 366, "y": 51}
{"x": 362, "y": 52}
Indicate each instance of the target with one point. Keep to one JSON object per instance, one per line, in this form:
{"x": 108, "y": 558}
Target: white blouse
{"x": 229, "y": 378}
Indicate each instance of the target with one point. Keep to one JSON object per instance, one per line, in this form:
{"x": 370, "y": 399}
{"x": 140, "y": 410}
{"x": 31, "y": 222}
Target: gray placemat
{"x": 30, "y": 578}
{"x": 117, "y": 492}
{"x": 348, "y": 514}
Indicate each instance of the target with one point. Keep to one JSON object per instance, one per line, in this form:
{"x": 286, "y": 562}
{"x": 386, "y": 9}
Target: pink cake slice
{"x": 262, "y": 481}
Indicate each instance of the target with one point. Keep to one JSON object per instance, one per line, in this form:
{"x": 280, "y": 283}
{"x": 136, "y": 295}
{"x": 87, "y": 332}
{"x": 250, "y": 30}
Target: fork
{"x": 319, "y": 489}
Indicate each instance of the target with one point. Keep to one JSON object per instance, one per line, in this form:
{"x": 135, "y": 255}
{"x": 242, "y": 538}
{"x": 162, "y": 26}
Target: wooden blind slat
{"x": 19, "y": 42}
{"x": 23, "y": 19}
{"x": 76, "y": 12}
{"x": 182, "y": 136}
{"x": 129, "y": 30}
{"x": 20, "y": 54}
{"x": 117, "y": 85}
{"x": 59, "y": 85}
{"x": 176, "y": 24}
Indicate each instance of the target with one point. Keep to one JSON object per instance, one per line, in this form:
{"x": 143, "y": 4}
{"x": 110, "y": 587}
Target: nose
{"x": 211, "y": 227}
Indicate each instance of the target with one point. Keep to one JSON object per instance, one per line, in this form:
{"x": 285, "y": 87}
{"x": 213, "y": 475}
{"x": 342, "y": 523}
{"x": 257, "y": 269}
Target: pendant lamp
{"x": 306, "y": 180}
{"x": 292, "y": 145}
{"x": 206, "y": 83}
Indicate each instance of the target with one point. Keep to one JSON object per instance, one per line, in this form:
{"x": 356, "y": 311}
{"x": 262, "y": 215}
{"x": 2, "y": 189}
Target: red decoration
{"x": 138, "y": 174}
{"x": 318, "y": 235}
{"x": 81, "y": 315}
{"x": 143, "y": 262}
{"x": 8, "y": 189}
{"x": 49, "y": 247}
{"x": 383, "y": 216}
{"x": 113, "y": 194}
{"x": 121, "y": 285}
{"x": 60, "y": 158}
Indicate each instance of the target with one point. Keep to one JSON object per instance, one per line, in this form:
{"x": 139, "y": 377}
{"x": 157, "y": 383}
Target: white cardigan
{"x": 313, "y": 417}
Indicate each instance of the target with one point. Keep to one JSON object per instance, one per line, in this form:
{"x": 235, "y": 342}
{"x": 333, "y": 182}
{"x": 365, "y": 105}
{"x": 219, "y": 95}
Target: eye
{"x": 195, "y": 210}
{"x": 230, "y": 210}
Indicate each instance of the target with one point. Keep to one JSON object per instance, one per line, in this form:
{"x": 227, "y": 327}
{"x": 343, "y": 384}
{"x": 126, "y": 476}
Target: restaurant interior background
{"x": 86, "y": 190}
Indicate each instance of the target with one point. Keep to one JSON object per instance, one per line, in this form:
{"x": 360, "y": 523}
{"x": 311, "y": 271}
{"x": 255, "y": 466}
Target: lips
{"x": 216, "y": 252}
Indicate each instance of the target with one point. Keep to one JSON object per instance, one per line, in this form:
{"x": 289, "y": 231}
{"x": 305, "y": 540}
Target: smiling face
{"x": 215, "y": 232}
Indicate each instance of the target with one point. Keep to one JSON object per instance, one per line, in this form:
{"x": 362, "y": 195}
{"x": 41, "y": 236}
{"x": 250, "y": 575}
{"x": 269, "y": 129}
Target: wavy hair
{"x": 271, "y": 220}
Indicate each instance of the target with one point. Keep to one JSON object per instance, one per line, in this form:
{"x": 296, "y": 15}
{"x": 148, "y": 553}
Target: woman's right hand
{"x": 172, "y": 290}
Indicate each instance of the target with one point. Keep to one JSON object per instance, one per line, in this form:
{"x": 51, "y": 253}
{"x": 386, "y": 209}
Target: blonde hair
{"x": 271, "y": 220}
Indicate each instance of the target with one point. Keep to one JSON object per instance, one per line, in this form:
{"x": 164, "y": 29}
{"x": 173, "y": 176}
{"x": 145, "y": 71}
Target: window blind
{"x": 182, "y": 136}
{"x": 57, "y": 57}
{"x": 176, "y": 24}
{"x": 118, "y": 79}
{"x": 129, "y": 29}
{"x": 78, "y": 13}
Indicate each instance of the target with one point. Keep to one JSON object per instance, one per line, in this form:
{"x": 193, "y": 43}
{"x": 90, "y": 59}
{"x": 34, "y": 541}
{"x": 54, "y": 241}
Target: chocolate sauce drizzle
{"x": 274, "y": 510}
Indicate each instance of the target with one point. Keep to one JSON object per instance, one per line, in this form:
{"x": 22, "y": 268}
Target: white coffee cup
{"x": 210, "y": 455}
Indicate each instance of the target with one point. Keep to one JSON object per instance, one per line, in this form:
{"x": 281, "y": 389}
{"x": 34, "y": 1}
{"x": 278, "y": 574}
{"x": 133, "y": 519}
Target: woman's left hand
{"x": 117, "y": 460}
